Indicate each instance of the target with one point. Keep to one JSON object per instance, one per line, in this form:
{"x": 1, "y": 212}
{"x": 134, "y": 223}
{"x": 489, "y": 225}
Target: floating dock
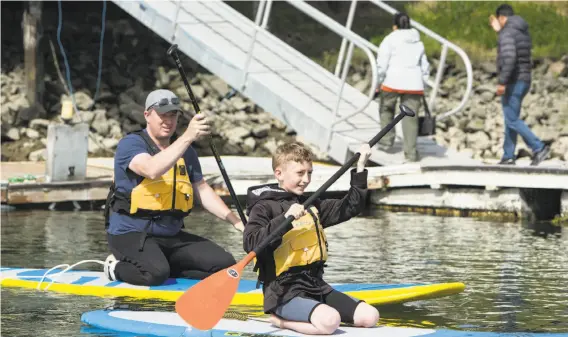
{"x": 520, "y": 190}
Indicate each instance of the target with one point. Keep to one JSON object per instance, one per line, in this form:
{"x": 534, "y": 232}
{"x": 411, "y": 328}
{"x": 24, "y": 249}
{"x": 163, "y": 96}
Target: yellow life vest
{"x": 171, "y": 193}
{"x": 301, "y": 246}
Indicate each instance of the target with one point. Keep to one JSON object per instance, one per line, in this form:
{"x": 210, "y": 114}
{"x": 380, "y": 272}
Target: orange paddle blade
{"x": 203, "y": 305}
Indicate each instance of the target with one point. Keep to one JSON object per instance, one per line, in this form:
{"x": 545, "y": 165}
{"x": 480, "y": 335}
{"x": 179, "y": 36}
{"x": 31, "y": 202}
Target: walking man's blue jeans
{"x": 514, "y": 125}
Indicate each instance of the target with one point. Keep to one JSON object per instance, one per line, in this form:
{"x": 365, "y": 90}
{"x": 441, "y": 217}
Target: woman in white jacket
{"x": 402, "y": 71}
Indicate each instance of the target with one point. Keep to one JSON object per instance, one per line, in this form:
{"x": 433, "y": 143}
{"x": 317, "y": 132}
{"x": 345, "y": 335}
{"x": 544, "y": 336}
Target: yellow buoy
{"x": 66, "y": 109}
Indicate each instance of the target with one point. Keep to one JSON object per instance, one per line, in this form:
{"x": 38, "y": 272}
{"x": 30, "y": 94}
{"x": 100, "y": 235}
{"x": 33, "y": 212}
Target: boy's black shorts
{"x": 300, "y": 309}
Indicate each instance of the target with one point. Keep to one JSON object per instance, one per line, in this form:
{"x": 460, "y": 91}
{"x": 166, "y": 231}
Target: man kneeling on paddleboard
{"x": 291, "y": 268}
{"x": 156, "y": 178}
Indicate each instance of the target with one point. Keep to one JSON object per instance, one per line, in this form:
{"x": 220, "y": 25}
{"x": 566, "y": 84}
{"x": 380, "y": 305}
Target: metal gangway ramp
{"x": 319, "y": 105}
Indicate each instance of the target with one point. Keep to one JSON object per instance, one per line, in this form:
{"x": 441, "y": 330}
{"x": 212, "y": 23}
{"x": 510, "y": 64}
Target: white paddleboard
{"x": 159, "y": 323}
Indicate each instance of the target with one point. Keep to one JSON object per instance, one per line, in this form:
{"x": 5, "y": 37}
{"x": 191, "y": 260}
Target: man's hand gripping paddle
{"x": 203, "y": 305}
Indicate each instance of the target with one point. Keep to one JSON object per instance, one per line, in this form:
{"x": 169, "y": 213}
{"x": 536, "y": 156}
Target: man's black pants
{"x": 183, "y": 255}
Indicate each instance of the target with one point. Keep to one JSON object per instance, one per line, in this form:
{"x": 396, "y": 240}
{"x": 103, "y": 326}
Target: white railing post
{"x": 468, "y": 87}
{"x": 178, "y": 7}
{"x": 344, "y": 41}
{"x": 345, "y": 71}
{"x": 253, "y": 41}
{"x": 439, "y": 74}
{"x": 266, "y": 14}
{"x": 259, "y": 12}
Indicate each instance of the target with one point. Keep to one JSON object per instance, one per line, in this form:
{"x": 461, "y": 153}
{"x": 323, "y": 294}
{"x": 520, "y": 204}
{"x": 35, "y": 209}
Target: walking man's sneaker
{"x": 108, "y": 268}
{"x": 541, "y": 155}
{"x": 507, "y": 162}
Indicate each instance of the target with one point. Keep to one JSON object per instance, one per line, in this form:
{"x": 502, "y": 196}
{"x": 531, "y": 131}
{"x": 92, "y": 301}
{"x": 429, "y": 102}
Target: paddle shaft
{"x": 328, "y": 183}
{"x": 172, "y": 51}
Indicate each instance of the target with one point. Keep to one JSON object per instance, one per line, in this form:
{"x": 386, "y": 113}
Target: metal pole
{"x": 338, "y": 103}
{"x": 344, "y": 41}
{"x": 251, "y": 47}
{"x": 266, "y": 14}
{"x": 438, "y": 76}
{"x": 178, "y": 6}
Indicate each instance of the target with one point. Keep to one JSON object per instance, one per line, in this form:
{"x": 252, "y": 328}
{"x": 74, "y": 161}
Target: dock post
{"x": 67, "y": 151}
{"x": 33, "y": 56}
{"x": 540, "y": 204}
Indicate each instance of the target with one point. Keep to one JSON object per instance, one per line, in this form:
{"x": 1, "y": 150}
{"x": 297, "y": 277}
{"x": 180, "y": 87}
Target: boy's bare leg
{"x": 365, "y": 316}
{"x": 324, "y": 321}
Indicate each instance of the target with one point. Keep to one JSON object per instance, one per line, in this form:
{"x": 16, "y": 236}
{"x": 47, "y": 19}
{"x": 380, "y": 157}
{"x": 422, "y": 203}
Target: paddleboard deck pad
{"x": 159, "y": 323}
{"x": 93, "y": 283}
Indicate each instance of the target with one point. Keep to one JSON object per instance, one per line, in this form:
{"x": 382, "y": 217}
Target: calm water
{"x": 516, "y": 275}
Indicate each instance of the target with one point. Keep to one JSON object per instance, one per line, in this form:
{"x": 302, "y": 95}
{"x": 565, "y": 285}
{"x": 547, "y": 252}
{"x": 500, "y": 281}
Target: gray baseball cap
{"x": 162, "y": 101}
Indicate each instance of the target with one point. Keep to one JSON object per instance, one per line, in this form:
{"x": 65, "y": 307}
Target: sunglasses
{"x": 165, "y": 101}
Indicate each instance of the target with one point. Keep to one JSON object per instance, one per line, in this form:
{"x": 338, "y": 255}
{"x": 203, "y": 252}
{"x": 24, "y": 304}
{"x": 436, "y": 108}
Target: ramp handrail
{"x": 354, "y": 39}
{"x": 445, "y": 45}
{"x": 439, "y": 72}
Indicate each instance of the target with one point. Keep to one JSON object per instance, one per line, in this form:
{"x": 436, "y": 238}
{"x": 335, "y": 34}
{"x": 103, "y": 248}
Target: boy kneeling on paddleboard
{"x": 291, "y": 267}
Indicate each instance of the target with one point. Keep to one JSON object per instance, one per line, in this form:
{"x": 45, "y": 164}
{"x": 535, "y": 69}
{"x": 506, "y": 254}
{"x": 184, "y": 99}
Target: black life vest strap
{"x": 317, "y": 223}
{"x": 150, "y": 145}
{"x": 144, "y": 235}
{"x": 108, "y": 204}
{"x": 256, "y": 267}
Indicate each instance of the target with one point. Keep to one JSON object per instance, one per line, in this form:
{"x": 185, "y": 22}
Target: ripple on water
{"x": 515, "y": 278}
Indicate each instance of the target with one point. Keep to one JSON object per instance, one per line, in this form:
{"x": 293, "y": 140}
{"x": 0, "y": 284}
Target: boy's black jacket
{"x": 266, "y": 206}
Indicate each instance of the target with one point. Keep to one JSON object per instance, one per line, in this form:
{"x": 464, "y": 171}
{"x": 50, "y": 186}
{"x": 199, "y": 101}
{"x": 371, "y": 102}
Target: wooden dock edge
{"x": 509, "y": 204}
{"x": 508, "y": 192}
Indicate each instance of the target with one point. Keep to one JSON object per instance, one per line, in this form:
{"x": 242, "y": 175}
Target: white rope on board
{"x": 68, "y": 267}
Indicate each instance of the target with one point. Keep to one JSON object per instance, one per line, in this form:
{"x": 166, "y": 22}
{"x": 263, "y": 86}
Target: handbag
{"x": 426, "y": 124}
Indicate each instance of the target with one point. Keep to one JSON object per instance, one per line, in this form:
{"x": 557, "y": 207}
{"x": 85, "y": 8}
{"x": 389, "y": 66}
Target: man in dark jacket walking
{"x": 514, "y": 67}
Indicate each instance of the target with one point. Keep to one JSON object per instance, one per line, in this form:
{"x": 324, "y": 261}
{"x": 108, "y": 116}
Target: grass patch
{"x": 466, "y": 24}
{"x": 560, "y": 220}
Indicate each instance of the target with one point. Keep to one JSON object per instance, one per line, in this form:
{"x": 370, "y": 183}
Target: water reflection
{"x": 516, "y": 274}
